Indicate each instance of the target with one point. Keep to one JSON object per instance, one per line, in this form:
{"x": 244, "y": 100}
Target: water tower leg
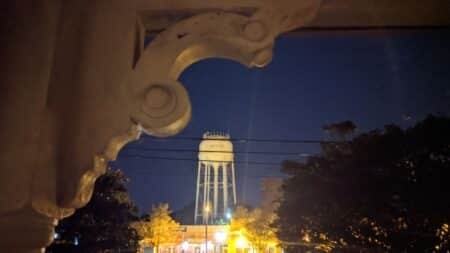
{"x": 197, "y": 192}
{"x": 225, "y": 187}
{"x": 216, "y": 188}
{"x": 233, "y": 182}
{"x": 205, "y": 189}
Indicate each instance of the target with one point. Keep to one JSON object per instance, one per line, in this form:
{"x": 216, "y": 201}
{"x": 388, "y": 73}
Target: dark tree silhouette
{"x": 389, "y": 194}
{"x": 103, "y": 225}
{"x": 340, "y": 129}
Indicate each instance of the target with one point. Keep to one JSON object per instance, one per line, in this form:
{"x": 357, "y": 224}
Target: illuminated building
{"x": 191, "y": 239}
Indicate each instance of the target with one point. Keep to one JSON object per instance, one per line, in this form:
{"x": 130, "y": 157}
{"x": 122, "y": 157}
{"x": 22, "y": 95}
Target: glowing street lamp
{"x": 228, "y": 215}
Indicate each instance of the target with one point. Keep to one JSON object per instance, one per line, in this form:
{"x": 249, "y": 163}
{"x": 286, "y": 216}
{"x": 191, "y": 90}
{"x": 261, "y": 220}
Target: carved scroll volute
{"x": 162, "y": 104}
{"x": 163, "y": 108}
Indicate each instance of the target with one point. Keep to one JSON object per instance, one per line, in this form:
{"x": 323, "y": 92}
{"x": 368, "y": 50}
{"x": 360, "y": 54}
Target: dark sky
{"x": 372, "y": 79}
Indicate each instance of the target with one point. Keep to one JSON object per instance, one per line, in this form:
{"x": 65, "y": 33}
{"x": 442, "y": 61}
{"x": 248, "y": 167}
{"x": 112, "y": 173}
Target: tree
{"x": 103, "y": 225}
{"x": 340, "y": 129}
{"x": 270, "y": 194}
{"x": 241, "y": 218}
{"x": 387, "y": 192}
{"x": 255, "y": 226}
{"x": 158, "y": 228}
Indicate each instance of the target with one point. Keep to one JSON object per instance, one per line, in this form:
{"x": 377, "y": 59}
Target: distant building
{"x": 218, "y": 239}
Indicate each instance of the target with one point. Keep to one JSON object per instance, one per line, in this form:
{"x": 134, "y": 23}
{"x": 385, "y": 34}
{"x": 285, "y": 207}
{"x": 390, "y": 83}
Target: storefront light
{"x": 241, "y": 242}
{"x": 185, "y": 245}
{"x": 210, "y": 246}
{"x": 220, "y": 236}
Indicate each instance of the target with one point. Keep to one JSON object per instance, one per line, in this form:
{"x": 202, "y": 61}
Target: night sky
{"x": 372, "y": 79}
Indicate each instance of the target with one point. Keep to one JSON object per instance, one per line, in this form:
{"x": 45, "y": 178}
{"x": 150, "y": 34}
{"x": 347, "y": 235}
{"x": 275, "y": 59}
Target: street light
{"x": 228, "y": 215}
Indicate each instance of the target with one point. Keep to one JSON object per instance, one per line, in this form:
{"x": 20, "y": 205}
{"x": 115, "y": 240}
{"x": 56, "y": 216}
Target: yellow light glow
{"x": 220, "y": 236}
{"x": 306, "y": 238}
{"x": 210, "y": 246}
{"x": 185, "y": 245}
{"x": 241, "y": 242}
{"x": 271, "y": 244}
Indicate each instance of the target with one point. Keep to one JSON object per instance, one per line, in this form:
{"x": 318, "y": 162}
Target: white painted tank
{"x": 216, "y": 147}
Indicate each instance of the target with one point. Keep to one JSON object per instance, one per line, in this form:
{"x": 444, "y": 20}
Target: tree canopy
{"x": 255, "y": 226}
{"x": 158, "y": 228}
{"x": 270, "y": 193}
{"x": 340, "y": 129}
{"x": 384, "y": 191}
{"x": 103, "y": 225}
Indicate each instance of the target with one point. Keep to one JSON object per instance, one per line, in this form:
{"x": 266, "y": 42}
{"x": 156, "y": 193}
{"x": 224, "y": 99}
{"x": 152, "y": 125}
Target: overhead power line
{"x": 196, "y": 160}
{"x": 223, "y": 152}
{"x": 191, "y": 175}
{"x": 246, "y": 140}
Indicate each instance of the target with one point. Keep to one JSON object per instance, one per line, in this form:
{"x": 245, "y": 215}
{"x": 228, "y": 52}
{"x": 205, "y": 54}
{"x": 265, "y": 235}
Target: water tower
{"x": 216, "y": 181}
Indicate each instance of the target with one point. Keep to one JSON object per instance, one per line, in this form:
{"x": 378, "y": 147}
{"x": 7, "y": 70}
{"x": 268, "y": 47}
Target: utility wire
{"x": 194, "y": 160}
{"x": 245, "y": 140}
{"x": 216, "y": 151}
{"x": 193, "y": 176}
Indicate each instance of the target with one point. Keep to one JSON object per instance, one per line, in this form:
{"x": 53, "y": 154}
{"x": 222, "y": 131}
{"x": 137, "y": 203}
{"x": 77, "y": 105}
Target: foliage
{"x": 241, "y": 218}
{"x": 255, "y": 226}
{"x": 158, "y": 228}
{"x": 270, "y": 193}
{"x": 103, "y": 225}
{"x": 340, "y": 129}
{"x": 385, "y": 191}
